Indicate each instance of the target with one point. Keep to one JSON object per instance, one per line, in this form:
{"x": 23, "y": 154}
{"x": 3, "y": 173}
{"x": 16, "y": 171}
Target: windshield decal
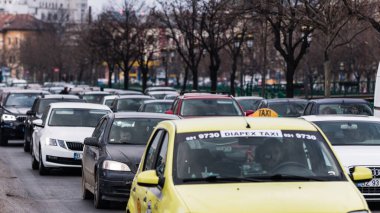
{"x": 252, "y": 133}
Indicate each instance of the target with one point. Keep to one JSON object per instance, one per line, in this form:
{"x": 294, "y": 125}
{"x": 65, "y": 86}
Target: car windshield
{"x": 288, "y": 109}
{"x": 210, "y": 107}
{"x": 248, "y": 155}
{"x": 108, "y": 102}
{"x": 159, "y": 96}
{"x": 76, "y": 117}
{"x": 157, "y": 107}
{"x": 21, "y": 100}
{"x": 249, "y": 104}
{"x": 130, "y": 104}
{"x": 94, "y": 98}
{"x": 132, "y": 130}
{"x": 346, "y": 108}
{"x": 45, "y": 103}
{"x": 351, "y": 132}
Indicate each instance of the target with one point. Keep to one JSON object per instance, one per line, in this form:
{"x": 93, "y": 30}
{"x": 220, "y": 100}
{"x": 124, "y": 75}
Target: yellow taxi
{"x": 241, "y": 164}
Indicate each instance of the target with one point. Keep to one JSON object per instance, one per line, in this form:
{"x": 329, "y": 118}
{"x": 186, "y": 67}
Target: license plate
{"x": 77, "y": 156}
{"x": 373, "y": 183}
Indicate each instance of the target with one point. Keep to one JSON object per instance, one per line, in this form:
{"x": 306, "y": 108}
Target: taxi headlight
{"x": 360, "y": 211}
{"x": 8, "y": 117}
{"x": 115, "y": 166}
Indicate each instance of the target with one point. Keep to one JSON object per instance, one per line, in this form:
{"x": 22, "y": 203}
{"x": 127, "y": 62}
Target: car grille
{"x": 370, "y": 189}
{"x": 76, "y": 146}
{"x": 60, "y": 160}
{"x": 21, "y": 118}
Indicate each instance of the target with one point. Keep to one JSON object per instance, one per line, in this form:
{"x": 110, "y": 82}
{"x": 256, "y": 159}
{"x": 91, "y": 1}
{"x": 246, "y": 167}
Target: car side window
{"x": 308, "y": 109}
{"x": 152, "y": 151}
{"x": 161, "y": 158}
{"x": 175, "y": 105}
{"x": 44, "y": 115}
{"x": 98, "y": 132}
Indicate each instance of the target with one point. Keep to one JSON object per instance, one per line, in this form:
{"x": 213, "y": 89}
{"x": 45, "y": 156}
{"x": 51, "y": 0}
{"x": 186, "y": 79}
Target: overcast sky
{"x": 99, "y": 5}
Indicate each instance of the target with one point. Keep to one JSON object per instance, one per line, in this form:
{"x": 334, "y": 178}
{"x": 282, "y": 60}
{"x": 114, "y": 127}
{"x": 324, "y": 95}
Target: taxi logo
{"x": 265, "y": 112}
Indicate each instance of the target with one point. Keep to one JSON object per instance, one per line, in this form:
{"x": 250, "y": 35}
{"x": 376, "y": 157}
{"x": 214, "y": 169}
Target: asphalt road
{"x": 24, "y": 190}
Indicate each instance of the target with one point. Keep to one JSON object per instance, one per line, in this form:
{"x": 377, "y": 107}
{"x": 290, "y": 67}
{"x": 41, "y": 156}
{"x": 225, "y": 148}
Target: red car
{"x": 205, "y": 104}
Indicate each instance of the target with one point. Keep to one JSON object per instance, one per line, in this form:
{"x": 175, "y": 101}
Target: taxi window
{"x": 161, "y": 158}
{"x": 262, "y": 155}
{"x": 152, "y": 151}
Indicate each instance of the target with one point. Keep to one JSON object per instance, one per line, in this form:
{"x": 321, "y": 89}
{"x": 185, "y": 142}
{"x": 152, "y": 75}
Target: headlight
{"x": 7, "y": 117}
{"x": 55, "y": 142}
{"x": 360, "y": 211}
{"x": 115, "y": 166}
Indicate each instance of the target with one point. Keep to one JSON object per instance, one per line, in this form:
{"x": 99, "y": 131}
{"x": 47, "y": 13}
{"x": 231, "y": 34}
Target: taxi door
{"x": 147, "y": 199}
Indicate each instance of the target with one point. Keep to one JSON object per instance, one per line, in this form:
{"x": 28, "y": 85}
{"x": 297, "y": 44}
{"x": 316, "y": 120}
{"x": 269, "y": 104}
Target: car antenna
{"x": 248, "y": 126}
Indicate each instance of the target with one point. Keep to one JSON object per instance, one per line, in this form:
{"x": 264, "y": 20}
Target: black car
{"x": 338, "y": 106}
{"x": 249, "y": 102}
{"x": 14, "y": 105}
{"x": 285, "y": 107}
{"x": 95, "y": 97}
{"x": 112, "y": 155}
{"x": 38, "y": 107}
{"x": 128, "y": 103}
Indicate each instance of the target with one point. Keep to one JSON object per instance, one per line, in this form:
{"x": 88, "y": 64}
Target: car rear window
{"x": 346, "y": 108}
{"x": 210, "y": 107}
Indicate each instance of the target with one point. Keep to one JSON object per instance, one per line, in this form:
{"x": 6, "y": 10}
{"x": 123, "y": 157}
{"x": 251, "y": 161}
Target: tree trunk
{"x": 327, "y": 71}
{"x": 195, "y": 78}
{"x": 290, "y": 70}
{"x": 214, "y": 67}
{"x": 233, "y": 76}
{"x": 110, "y": 71}
{"x": 185, "y": 79}
{"x": 126, "y": 78}
{"x": 144, "y": 72}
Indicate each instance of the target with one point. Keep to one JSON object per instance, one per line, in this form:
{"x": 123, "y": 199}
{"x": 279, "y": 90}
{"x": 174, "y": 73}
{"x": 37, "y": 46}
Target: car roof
{"x": 58, "y": 96}
{"x": 240, "y": 123}
{"x": 154, "y": 92}
{"x": 79, "y": 105}
{"x": 95, "y": 93}
{"x": 144, "y": 115}
{"x": 276, "y": 100}
{"x": 133, "y": 96}
{"x": 158, "y": 101}
{"x": 205, "y": 96}
{"x": 28, "y": 91}
{"x": 339, "y": 100}
{"x": 313, "y": 118}
{"x": 160, "y": 88}
{"x": 248, "y": 98}
{"x": 110, "y": 97}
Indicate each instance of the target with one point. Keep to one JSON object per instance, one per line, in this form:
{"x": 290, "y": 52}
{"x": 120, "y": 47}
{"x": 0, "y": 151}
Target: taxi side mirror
{"x": 170, "y": 112}
{"x": 148, "y": 178}
{"x": 249, "y": 112}
{"x": 361, "y": 174}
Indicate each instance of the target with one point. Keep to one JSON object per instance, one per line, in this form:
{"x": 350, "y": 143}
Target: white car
{"x": 58, "y": 137}
{"x": 356, "y": 140}
{"x": 108, "y": 99}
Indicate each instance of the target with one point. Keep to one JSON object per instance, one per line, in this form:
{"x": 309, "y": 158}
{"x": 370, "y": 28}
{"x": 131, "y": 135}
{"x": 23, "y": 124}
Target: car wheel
{"x": 3, "y": 139}
{"x": 85, "y": 193}
{"x": 99, "y": 203}
{"x": 26, "y": 145}
{"x": 41, "y": 168}
{"x": 34, "y": 161}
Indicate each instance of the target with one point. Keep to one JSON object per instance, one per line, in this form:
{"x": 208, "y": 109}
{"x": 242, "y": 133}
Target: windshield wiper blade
{"x": 215, "y": 178}
{"x": 292, "y": 177}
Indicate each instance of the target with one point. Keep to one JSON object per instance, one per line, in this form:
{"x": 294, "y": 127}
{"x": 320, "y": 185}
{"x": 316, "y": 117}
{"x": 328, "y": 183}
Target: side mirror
{"x": 170, "y": 112}
{"x": 361, "y": 174}
{"x": 30, "y": 113}
{"x": 91, "y": 141}
{"x": 249, "y": 112}
{"x": 148, "y": 178}
{"x": 38, "y": 122}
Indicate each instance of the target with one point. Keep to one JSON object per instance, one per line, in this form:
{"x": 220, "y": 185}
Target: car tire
{"x": 3, "y": 139}
{"x": 85, "y": 193}
{"x": 26, "y": 145}
{"x": 41, "y": 168}
{"x": 99, "y": 203}
{"x": 34, "y": 161}
{"x": 31, "y": 145}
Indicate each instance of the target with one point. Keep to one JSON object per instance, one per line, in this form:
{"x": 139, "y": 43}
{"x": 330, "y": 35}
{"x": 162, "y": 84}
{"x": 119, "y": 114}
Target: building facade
{"x": 48, "y": 10}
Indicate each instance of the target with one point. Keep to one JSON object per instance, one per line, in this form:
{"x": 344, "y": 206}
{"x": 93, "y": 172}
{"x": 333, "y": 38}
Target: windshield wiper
{"x": 215, "y": 178}
{"x": 292, "y": 177}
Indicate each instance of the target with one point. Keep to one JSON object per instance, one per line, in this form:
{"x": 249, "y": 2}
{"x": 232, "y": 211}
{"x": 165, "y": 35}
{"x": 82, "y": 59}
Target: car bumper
{"x": 54, "y": 156}
{"x": 13, "y": 130}
{"x": 115, "y": 185}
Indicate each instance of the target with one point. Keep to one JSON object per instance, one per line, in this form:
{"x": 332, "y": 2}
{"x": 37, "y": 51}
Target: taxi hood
{"x": 285, "y": 197}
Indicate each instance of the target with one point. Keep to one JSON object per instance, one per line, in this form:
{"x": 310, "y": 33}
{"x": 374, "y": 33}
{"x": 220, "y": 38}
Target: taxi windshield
{"x": 351, "y": 132}
{"x": 253, "y": 155}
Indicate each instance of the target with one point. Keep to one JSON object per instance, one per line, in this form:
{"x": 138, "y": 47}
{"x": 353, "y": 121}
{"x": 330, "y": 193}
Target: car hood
{"x": 289, "y": 197}
{"x": 17, "y": 110}
{"x": 128, "y": 154}
{"x": 358, "y": 155}
{"x": 75, "y": 134}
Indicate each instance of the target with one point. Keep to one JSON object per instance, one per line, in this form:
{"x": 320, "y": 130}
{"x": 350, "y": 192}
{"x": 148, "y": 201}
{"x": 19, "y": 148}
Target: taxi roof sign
{"x": 265, "y": 112}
